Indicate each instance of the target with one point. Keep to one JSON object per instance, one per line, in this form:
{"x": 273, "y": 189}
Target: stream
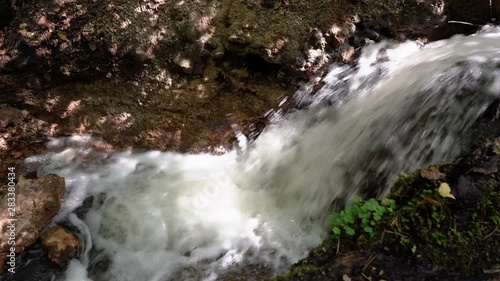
{"x": 157, "y": 216}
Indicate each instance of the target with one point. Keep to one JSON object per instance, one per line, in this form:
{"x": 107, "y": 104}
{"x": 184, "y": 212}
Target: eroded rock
{"x": 61, "y": 244}
{"x": 37, "y": 202}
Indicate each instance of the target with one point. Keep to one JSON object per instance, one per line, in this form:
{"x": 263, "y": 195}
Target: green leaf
{"x": 350, "y": 209}
{"x": 358, "y": 199}
{"x": 368, "y": 229}
{"x": 336, "y": 230}
{"x": 349, "y": 230}
{"x": 364, "y": 214}
{"x": 392, "y": 204}
{"x": 349, "y": 219}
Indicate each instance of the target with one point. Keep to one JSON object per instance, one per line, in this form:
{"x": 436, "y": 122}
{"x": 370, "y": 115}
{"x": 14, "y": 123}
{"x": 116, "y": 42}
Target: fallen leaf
{"x": 431, "y": 173}
{"x": 430, "y": 201}
{"x": 445, "y": 191}
{"x": 385, "y": 202}
{"x": 62, "y": 35}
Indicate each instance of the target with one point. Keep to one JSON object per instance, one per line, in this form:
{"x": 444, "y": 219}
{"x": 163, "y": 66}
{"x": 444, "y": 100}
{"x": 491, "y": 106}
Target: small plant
{"x": 362, "y": 213}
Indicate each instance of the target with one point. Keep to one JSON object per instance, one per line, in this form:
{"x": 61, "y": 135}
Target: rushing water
{"x": 166, "y": 216}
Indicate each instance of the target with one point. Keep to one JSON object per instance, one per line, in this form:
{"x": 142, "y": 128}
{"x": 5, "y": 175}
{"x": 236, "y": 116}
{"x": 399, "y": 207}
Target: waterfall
{"x": 159, "y": 216}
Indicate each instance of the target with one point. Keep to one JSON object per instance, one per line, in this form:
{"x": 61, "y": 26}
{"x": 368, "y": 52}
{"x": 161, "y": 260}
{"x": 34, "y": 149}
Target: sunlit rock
{"x": 37, "y": 202}
{"x": 61, "y": 244}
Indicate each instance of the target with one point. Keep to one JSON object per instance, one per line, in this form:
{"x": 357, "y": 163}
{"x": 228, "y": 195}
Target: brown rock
{"x": 37, "y": 201}
{"x": 61, "y": 244}
{"x": 3, "y": 260}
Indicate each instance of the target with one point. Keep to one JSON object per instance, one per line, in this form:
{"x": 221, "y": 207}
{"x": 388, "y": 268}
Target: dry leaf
{"x": 445, "y": 190}
{"x": 62, "y": 35}
{"x": 431, "y": 173}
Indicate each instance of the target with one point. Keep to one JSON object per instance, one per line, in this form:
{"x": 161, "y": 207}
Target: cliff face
{"x": 165, "y": 74}
{"x": 83, "y": 39}
{"x": 79, "y": 38}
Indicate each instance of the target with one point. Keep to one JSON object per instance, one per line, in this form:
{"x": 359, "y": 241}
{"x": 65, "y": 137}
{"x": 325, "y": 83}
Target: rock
{"x": 37, "y": 202}
{"x": 61, "y": 244}
{"x": 3, "y": 260}
{"x": 489, "y": 166}
{"x": 6, "y": 12}
{"x": 346, "y": 51}
{"x": 34, "y": 265}
{"x": 477, "y": 12}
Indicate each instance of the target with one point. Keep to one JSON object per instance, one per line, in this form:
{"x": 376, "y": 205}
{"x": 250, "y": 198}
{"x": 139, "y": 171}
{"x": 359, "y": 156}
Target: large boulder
{"x": 37, "y": 202}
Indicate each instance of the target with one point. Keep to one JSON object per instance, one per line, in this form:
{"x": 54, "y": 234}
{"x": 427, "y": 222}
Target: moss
{"x": 454, "y": 235}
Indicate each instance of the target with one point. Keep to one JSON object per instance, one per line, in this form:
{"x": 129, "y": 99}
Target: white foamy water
{"x": 166, "y": 216}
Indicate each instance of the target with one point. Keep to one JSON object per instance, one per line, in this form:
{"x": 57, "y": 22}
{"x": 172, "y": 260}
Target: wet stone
{"x": 61, "y": 244}
{"x": 487, "y": 167}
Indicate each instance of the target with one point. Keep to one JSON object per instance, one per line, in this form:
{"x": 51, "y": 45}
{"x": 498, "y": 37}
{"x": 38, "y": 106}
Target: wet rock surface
{"x": 61, "y": 244}
{"x": 37, "y": 202}
{"x": 34, "y": 265}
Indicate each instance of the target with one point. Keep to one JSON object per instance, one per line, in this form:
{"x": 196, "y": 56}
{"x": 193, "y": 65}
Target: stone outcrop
{"x": 166, "y": 73}
{"x": 37, "y": 202}
{"x": 82, "y": 39}
{"x": 61, "y": 244}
